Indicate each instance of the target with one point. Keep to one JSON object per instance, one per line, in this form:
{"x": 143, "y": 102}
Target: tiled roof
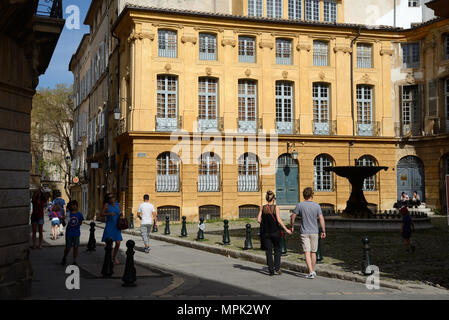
{"x": 259, "y": 19}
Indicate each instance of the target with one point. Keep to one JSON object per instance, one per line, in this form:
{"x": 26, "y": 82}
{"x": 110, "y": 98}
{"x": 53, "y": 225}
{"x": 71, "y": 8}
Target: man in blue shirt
{"x": 73, "y": 232}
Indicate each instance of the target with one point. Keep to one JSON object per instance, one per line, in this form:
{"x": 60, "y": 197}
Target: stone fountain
{"x": 356, "y": 206}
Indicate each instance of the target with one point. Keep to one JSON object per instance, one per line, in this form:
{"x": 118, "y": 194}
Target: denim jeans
{"x": 145, "y": 230}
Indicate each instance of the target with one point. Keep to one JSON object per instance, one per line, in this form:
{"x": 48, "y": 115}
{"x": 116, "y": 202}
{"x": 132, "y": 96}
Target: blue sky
{"x": 58, "y": 69}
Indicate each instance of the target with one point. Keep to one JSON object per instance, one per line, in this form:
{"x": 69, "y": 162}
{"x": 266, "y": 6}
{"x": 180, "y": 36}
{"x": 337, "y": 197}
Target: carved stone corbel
{"x": 266, "y": 44}
{"x": 228, "y": 42}
{"x": 388, "y": 52}
{"x": 189, "y": 38}
{"x": 304, "y": 46}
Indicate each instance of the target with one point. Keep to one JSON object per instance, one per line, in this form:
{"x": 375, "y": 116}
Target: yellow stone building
{"x": 216, "y": 107}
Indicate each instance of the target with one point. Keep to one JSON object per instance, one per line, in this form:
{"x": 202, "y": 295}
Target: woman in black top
{"x": 270, "y": 230}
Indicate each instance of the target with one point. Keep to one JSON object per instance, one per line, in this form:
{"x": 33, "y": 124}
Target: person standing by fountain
{"x": 310, "y": 212}
{"x": 407, "y": 227}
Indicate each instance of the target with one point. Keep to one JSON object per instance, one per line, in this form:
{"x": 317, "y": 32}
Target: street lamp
{"x": 294, "y": 153}
{"x": 117, "y": 113}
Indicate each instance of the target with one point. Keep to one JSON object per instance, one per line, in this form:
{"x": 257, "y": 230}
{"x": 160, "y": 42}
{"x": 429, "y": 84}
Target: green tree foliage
{"x": 51, "y": 127}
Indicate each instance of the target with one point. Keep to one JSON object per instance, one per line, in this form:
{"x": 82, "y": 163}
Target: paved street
{"x": 174, "y": 272}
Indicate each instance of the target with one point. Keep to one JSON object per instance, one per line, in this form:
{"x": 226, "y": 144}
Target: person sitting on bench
{"x": 416, "y": 200}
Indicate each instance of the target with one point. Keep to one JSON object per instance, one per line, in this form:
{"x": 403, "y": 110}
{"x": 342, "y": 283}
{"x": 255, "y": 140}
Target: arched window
{"x": 171, "y": 211}
{"x": 370, "y": 183}
{"x": 248, "y": 211}
{"x": 248, "y": 180}
{"x": 322, "y": 178}
{"x": 209, "y": 212}
{"x": 167, "y": 179}
{"x": 209, "y": 173}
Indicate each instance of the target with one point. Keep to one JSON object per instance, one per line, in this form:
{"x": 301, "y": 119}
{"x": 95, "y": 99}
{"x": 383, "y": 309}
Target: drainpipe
{"x": 352, "y": 79}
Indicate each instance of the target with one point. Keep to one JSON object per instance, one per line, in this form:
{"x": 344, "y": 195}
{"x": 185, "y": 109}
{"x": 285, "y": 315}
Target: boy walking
{"x": 310, "y": 212}
{"x": 72, "y": 232}
{"x": 147, "y": 215}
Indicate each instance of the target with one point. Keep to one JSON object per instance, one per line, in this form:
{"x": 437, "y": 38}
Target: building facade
{"x": 29, "y": 32}
{"x": 210, "y": 104}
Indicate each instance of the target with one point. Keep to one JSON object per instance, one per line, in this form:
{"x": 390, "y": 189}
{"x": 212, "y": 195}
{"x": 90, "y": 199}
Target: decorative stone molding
{"x": 167, "y": 67}
{"x": 247, "y": 72}
{"x": 304, "y": 46}
{"x": 285, "y": 74}
{"x": 410, "y": 78}
{"x": 140, "y": 36}
{"x": 266, "y": 44}
{"x": 343, "y": 49}
{"x": 208, "y": 71}
{"x": 228, "y": 42}
{"x": 388, "y": 52}
{"x": 247, "y": 32}
{"x": 366, "y": 78}
{"x": 322, "y": 75}
{"x": 168, "y": 26}
{"x": 189, "y": 38}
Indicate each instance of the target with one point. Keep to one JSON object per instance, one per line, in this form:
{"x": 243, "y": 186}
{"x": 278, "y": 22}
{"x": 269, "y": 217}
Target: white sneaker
{"x": 314, "y": 273}
{"x": 310, "y": 276}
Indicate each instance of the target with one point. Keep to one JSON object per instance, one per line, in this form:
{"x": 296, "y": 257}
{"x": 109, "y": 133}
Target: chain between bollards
{"x": 108, "y": 267}
{"x": 167, "y": 224}
{"x": 92, "y": 243}
{"x": 129, "y": 276}
{"x": 184, "y": 227}
{"x": 226, "y": 239}
{"x": 248, "y": 242}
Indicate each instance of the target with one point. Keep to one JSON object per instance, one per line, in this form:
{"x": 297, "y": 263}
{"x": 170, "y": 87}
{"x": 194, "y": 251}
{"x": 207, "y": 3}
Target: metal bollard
{"x": 226, "y": 239}
{"x": 131, "y": 221}
{"x": 200, "y": 234}
{"x": 248, "y": 242}
{"x": 366, "y": 256}
{"x": 129, "y": 276}
{"x": 283, "y": 244}
{"x": 167, "y": 224}
{"x": 108, "y": 267}
{"x": 92, "y": 243}
{"x": 319, "y": 256}
{"x": 184, "y": 227}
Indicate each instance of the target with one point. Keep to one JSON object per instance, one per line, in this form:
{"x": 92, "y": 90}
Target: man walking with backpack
{"x": 310, "y": 212}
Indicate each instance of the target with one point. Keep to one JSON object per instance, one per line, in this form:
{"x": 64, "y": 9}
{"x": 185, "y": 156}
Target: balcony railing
{"x": 168, "y": 124}
{"x": 248, "y": 183}
{"x": 210, "y": 125}
{"x": 49, "y": 8}
{"x": 291, "y": 127}
{"x": 167, "y": 183}
{"x": 208, "y": 183}
{"x": 325, "y": 128}
{"x": 368, "y": 129}
{"x": 407, "y": 130}
{"x": 249, "y": 126}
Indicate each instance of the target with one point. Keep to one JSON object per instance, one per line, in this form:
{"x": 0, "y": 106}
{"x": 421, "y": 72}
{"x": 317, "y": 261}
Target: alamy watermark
{"x": 373, "y": 281}
{"x": 73, "y": 280}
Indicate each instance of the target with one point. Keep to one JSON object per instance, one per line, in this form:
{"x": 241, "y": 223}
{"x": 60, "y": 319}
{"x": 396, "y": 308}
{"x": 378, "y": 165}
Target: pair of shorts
{"x": 407, "y": 235}
{"x": 38, "y": 221}
{"x": 55, "y": 222}
{"x": 71, "y": 242}
{"x": 309, "y": 242}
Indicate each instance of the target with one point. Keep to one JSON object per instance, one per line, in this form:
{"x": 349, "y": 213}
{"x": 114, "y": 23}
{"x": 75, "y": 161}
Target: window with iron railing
{"x": 320, "y": 53}
{"x": 321, "y": 108}
{"x": 207, "y": 104}
{"x": 247, "y": 49}
{"x": 208, "y": 46}
{"x": 369, "y": 184}
{"x": 330, "y": 10}
{"x": 248, "y": 169}
{"x": 364, "y": 98}
{"x": 247, "y": 105}
{"x": 172, "y": 212}
{"x": 322, "y": 178}
{"x": 248, "y": 211}
{"x": 295, "y": 9}
{"x": 167, "y": 169}
{"x": 283, "y": 51}
{"x": 364, "y": 55}
{"x": 410, "y": 114}
{"x": 167, "y": 103}
{"x": 209, "y": 173}
{"x": 255, "y": 8}
{"x": 209, "y": 212}
{"x": 284, "y": 107}
{"x": 167, "y": 43}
